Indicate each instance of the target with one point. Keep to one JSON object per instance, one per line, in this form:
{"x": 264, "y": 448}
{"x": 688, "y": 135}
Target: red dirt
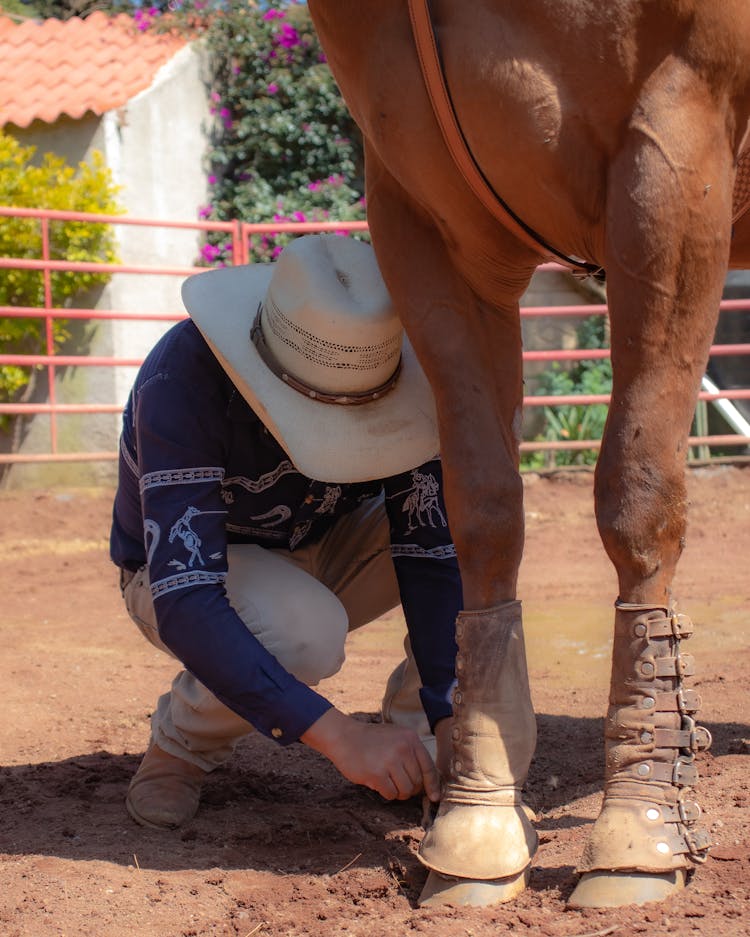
{"x": 282, "y": 845}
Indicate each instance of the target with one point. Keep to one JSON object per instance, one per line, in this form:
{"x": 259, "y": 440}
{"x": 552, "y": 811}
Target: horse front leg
{"x": 668, "y": 231}
{"x": 481, "y": 844}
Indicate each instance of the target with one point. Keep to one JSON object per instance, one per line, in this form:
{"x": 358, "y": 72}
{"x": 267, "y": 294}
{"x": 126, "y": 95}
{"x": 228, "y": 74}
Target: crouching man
{"x": 279, "y": 486}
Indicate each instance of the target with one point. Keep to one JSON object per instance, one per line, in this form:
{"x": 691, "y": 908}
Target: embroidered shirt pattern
{"x": 210, "y": 476}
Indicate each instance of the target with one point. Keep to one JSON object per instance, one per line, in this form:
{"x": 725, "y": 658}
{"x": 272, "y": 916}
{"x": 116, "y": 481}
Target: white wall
{"x": 154, "y": 147}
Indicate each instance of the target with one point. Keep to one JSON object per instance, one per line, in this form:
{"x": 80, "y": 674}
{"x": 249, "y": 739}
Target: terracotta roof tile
{"x": 51, "y": 68}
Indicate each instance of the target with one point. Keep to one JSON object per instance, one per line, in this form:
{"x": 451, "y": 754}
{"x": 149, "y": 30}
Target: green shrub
{"x": 572, "y": 422}
{"x": 56, "y": 185}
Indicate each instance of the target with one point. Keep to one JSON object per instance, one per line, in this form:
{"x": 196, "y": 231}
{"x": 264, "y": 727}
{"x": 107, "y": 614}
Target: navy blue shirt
{"x": 198, "y": 470}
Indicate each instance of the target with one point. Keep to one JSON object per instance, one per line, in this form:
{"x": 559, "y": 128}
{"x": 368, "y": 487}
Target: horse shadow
{"x": 285, "y": 810}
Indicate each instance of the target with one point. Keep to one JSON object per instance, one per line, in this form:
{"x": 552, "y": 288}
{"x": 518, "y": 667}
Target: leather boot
{"x": 165, "y": 790}
{"x": 402, "y": 706}
{"x": 480, "y": 846}
{"x": 644, "y": 840}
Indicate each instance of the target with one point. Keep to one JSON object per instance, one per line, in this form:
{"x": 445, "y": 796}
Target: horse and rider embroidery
{"x": 182, "y": 530}
{"x": 422, "y": 502}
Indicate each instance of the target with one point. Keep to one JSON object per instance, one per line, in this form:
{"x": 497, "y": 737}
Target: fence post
{"x": 49, "y": 335}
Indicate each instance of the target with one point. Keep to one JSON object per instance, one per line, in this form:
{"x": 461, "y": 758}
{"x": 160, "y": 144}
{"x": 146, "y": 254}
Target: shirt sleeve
{"x": 181, "y": 440}
{"x": 429, "y": 581}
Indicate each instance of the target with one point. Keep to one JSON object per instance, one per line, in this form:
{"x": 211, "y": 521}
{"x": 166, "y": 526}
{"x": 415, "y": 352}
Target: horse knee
{"x": 488, "y": 532}
{"x": 641, "y": 518}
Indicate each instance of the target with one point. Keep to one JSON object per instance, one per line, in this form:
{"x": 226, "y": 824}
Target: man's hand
{"x": 389, "y": 759}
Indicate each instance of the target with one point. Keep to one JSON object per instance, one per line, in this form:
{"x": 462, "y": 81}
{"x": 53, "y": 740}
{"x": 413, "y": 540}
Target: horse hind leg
{"x": 668, "y": 244}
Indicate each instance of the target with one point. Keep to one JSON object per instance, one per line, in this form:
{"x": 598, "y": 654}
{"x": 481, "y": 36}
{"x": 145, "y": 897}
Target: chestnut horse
{"x": 607, "y": 136}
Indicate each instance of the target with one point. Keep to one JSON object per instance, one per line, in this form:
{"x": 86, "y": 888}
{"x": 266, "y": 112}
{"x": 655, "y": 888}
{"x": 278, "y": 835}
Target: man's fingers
{"x": 405, "y": 785}
{"x": 386, "y": 788}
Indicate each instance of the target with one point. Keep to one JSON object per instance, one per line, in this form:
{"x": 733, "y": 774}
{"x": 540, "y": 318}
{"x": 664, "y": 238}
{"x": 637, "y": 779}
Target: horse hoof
{"x": 613, "y": 889}
{"x": 463, "y": 892}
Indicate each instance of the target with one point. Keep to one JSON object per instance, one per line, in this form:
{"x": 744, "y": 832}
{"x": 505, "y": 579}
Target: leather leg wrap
{"x": 647, "y": 824}
{"x": 481, "y": 830}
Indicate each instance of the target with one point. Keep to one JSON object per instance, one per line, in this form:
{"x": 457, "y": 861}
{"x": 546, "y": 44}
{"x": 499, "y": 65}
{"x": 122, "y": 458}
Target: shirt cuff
{"x": 286, "y": 715}
{"x": 437, "y": 702}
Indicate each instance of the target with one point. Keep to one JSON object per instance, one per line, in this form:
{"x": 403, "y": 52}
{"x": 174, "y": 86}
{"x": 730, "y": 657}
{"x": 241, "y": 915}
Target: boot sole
{"x": 142, "y": 821}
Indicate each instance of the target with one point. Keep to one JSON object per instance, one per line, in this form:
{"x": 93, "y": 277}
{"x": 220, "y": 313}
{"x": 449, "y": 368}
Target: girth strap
{"x": 434, "y": 79}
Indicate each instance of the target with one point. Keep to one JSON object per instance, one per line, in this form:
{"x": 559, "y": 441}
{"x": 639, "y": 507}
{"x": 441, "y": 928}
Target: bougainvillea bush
{"x": 283, "y": 146}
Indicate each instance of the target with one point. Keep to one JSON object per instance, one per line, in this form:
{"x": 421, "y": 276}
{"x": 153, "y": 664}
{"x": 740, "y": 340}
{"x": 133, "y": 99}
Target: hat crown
{"x": 327, "y": 319}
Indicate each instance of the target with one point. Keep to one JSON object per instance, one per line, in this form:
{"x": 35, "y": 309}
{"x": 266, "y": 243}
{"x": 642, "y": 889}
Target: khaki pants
{"x": 300, "y": 606}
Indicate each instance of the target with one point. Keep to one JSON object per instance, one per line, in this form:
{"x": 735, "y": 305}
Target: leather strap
{"x": 442, "y": 106}
{"x": 676, "y": 701}
{"x": 682, "y": 666}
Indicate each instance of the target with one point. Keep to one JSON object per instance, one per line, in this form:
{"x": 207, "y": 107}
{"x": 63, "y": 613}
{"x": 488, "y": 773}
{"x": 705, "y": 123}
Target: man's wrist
{"x": 326, "y": 732}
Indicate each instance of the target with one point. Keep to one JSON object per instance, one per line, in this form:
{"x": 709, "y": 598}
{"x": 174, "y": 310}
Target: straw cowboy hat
{"x": 313, "y": 344}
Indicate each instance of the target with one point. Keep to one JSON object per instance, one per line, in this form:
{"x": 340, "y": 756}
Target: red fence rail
{"x": 240, "y": 234}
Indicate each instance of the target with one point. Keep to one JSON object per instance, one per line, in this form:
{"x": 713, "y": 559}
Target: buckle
{"x": 689, "y": 812}
{"x": 700, "y": 739}
{"x": 684, "y": 773}
{"x": 698, "y": 844}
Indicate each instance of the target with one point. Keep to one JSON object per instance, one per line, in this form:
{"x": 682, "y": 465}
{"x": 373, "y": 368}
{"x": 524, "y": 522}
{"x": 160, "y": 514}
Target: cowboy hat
{"x": 312, "y": 342}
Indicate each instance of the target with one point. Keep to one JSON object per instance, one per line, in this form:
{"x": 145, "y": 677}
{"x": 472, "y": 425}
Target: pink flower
{"x": 142, "y": 20}
{"x": 272, "y": 88}
{"x": 288, "y": 36}
{"x": 205, "y": 211}
{"x": 299, "y": 216}
{"x": 314, "y": 186}
{"x": 212, "y": 180}
{"x": 274, "y": 15}
{"x": 210, "y": 252}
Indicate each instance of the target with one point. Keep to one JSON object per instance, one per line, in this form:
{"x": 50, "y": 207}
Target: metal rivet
{"x": 640, "y": 630}
{"x": 457, "y": 766}
{"x": 457, "y": 697}
{"x": 653, "y": 814}
{"x": 663, "y": 848}
{"x": 648, "y": 703}
{"x": 647, "y": 667}
{"x": 643, "y": 770}
{"x": 646, "y": 737}
{"x": 456, "y": 732}
{"x": 276, "y": 733}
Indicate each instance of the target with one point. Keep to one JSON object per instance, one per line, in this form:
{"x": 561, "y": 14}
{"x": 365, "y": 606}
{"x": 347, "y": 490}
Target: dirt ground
{"x": 284, "y": 846}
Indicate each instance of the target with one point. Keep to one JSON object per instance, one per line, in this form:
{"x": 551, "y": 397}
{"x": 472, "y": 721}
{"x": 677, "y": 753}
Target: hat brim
{"x": 327, "y": 442}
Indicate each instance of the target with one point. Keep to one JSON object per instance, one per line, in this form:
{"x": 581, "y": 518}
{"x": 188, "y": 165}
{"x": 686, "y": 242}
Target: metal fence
{"x": 240, "y": 235}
